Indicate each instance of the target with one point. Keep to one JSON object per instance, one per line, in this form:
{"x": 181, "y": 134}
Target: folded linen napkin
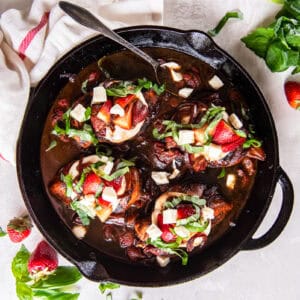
{"x": 31, "y": 42}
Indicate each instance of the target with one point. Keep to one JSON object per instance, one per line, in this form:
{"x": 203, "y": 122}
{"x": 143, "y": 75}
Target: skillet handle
{"x": 92, "y": 270}
{"x": 282, "y": 218}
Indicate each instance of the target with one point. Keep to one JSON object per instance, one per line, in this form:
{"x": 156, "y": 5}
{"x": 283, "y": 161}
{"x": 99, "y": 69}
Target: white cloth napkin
{"x": 31, "y": 42}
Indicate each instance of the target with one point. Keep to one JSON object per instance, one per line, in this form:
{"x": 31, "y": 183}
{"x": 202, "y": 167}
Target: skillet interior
{"x": 192, "y": 43}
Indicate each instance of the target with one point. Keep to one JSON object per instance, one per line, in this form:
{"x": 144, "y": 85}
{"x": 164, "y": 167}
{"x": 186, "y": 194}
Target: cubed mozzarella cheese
{"x": 213, "y": 152}
{"x": 163, "y": 261}
{"x": 169, "y": 216}
{"x": 181, "y": 231}
{"x": 225, "y": 116}
{"x": 79, "y": 231}
{"x": 117, "y": 110}
{"x": 107, "y": 167}
{"x": 154, "y": 232}
{"x": 185, "y": 92}
{"x": 186, "y": 137}
{"x": 99, "y": 95}
{"x": 91, "y": 159}
{"x": 230, "y": 181}
{"x": 109, "y": 194}
{"x": 160, "y": 177}
{"x": 215, "y": 82}
{"x": 171, "y": 65}
{"x": 207, "y": 213}
{"x": 141, "y": 97}
{"x": 73, "y": 171}
{"x": 235, "y": 121}
{"x": 176, "y": 76}
{"x": 78, "y": 113}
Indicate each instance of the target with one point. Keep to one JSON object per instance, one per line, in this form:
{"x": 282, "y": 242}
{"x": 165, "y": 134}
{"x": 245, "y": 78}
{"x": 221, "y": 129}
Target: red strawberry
{"x": 232, "y": 146}
{"x": 18, "y": 229}
{"x": 91, "y": 184}
{"x": 224, "y": 134}
{"x": 167, "y": 236}
{"x": 185, "y": 211}
{"x": 292, "y": 92}
{"x": 104, "y": 112}
{"x": 124, "y": 101}
{"x": 115, "y": 184}
{"x": 103, "y": 203}
{"x": 43, "y": 258}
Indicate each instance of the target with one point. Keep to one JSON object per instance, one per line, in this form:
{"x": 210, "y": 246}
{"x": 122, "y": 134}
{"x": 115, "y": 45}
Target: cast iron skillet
{"x": 97, "y": 266}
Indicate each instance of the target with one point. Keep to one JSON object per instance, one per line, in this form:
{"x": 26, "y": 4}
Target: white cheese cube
{"x": 79, "y": 231}
{"x": 160, "y": 177}
{"x": 235, "y": 121}
{"x": 154, "y": 232}
{"x": 169, "y": 216}
{"x": 73, "y": 169}
{"x": 185, "y": 92}
{"x": 171, "y": 65}
{"x": 162, "y": 260}
{"x": 225, "y": 116}
{"x": 91, "y": 159}
{"x": 109, "y": 194}
{"x": 213, "y": 152}
{"x": 186, "y": 137}
{"x": 107, "y": 167}
{"x": 141, "y": 98}
{"x": 78, "y": 113}
{"x": 99, "y": 95}
{"x": 215, "y": 82}
{"x": 182, "y": 232}
{"x": 207, "y": 213}
{"x": 176, "y": 76}
{"x": 230, "y": 181}
{"x": 117, "y": 110}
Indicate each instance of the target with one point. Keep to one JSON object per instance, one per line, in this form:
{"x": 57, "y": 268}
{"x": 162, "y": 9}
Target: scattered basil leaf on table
{"x": 104, "y": 286}
{"x": 2, "y": 232}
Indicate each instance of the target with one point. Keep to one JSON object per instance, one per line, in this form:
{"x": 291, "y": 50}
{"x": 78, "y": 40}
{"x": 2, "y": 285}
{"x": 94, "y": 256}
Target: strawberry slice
{"x": 140, "y": 112}
{"x": 167, "y": 236}
{"x": 124, "y": 101}
{"x": 185, "y": 211}
{"x": 91, "y": 184}
{"x": 43, "y": 258}
{"x": 102, "y": 202}
{"x": 125, "y": 122}
{"x": 224, "y": 134}
{"x": 232, "y": 146}
{"x": 292, "y": 93}
{"x": 104, "y": 112}
{"x": 115, "y": 184}
{"x": 18, "y": 229}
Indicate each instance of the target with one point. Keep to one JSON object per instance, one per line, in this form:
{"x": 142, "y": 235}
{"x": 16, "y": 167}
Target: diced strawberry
{"x": 140, "y": 112}
{"x": 103, "y": 203}
{"x": 185, "y": 211}
{"x": 115, "y": 184}
{"x": 125, "y": 122}
{"x": 232, "y": 146}
{"x": 18, "y": 229}
{"x": 224, "y": 134}
{"x": 292, "y": 92}
{"x": 124, "y": 101}
{"x": 91, "y": 184}
{"x": 43, "y": 258}
{"x": 93, "y": 76}
{"x": 104, "y": 112}
{"x": 167, "y": 236}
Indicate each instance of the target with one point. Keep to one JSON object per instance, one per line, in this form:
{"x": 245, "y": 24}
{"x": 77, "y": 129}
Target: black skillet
{"x": 98, "y": 266}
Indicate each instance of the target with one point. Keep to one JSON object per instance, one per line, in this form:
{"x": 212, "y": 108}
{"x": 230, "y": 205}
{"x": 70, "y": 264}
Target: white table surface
{"x": 270, "y": 273}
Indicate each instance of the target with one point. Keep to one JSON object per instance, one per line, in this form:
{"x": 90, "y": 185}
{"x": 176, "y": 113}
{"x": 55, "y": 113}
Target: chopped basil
{"x": 81, "y": 180}
{"x": 125, "y": 163}
{"x": 104, "y": 286}
{"x": 99, "y": 190}
{"x": 222, "y": 173}
{"x": 193, "y": 149}
{"x": 241, "y": 133}
{"x": 252, "y": 143}
{"x": 223, "y": 21}
{"x": 116, "y": 174}
{"x": 197, "y": 226}
{"x": 160, "y": 136}
{"x": 191, "y": 219}
{"x": 159, "y": 89}
{"x": 188, "y": 198}
{"x": 139, "y": 296}
{"x": 52, "y": 145}
{"x": 87, "y": 113}
{"x": 67, "y": 179}
{"x": 84, "y": 86}
{"x": 83, "y": 212}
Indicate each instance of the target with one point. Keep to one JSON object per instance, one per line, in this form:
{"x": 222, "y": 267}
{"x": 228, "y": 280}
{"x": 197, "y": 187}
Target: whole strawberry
{"x": 292, "y": 92}
{"x": 19, "y": 228}
{"x": 43, "y": 259}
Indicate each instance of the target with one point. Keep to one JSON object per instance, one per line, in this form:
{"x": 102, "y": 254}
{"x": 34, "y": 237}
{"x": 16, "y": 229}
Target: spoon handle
{"x": 85, "y": 18}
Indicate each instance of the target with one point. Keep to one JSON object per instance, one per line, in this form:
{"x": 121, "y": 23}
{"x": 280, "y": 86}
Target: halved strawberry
{"x": 43, "y": 258}
{"x": 124, "y": 101}
{"x": 125, "y": 122}
{"x": 102, "y": 202}
{"x": 19, "y": 228}
{"x": 292, "y": 92}
{"x": 224, "y": 134}
{"x": 232, "y": 146}
{"x": 185, "y": 211}
{"x": 91, "y": 184}
{"x": 167, "y": 236}
{"x": 104, "y": 112}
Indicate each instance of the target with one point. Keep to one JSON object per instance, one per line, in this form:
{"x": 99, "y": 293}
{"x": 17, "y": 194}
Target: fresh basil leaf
{"x": 84, "y": 135}
{"x": 23, "y": 291}
{"x": 188, "y": 198}
{"x": 259, "y": 40}
{"x": 222, "y": 173}
{"x": 196, "y": 226}
{"x": 291, "y": 8}
{"x": 223, "y": 21}
{"x": 252, "y": 143}
{"x": 160, "y": 136}
{"x": 52, "y": 145}
{"x": 68, "y": 181}
{"x": 84, "y": 86}
{"x": 2, "y": 232}
{"x": 193, "y": 218}
{"x": 104, "y": 286}
{"x": 241, "y": 133}
{"x": 54, "y": 294}
{"x": 116, "y": 174}
{"x": 83, "y": 213}
{"x": 145, "y": 83}
{"x": 125, "y": 163}
{"x": 139, "y": 296}
{"x": 19, "y": 265}
{"x": 278, "y": 1}
{"x": 58, "y": 131}
{"x": 193, "y": 149}
{"x": 109, "y": 296}
{"x": 62, "y": 276}
{"x": 277, "y": 57}
{"x": 159, "y": 89}
{"x": 87, "y": 113}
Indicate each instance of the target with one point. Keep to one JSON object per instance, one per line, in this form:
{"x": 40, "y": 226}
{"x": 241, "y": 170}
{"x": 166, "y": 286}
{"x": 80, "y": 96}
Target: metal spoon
{"x": 85, "y": 18}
